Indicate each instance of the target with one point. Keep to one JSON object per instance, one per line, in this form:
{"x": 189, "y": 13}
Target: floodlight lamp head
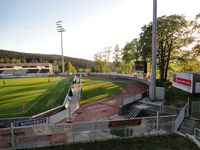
{"x": 59, "y": 26}
{"x": 58, "y": 21}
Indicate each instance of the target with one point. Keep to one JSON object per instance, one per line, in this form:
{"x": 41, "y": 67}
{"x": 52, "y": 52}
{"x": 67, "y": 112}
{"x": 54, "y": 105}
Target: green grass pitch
{"x": 98, "y": 88}
{"x": 30, "y": 96}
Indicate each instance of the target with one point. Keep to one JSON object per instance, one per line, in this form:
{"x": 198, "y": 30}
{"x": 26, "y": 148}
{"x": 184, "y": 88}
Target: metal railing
{"x": 197, "y": 133}
{"x": 49, "y": 135}
{"x": 183, "y": 113}
{"x": 195, "y": 110}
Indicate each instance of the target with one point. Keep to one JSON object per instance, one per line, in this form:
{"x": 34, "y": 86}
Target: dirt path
{"x": 108, "y": 106}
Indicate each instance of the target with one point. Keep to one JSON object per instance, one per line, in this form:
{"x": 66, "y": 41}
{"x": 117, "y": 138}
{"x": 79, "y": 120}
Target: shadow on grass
{"x": 23, "y": 87}
{"x": 25, "y": 90}
{"x": 100, "y": 91}
{"x": 56, "y": 93}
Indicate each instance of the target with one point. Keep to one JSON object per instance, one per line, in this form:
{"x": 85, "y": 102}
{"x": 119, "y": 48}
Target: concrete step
{"x": 187, "y": 126}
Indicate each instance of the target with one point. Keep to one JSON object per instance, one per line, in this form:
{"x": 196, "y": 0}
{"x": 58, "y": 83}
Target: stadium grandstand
{"x": 25, "y": 69}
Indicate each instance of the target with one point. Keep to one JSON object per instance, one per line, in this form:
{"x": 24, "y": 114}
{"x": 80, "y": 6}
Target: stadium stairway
{"x": 134, "y": 112}
{"x": 188, "y": 126}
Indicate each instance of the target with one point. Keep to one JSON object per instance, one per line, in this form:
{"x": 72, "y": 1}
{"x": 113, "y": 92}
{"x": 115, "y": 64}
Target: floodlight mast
{"x": 61, "y": 29}
{"x": 153, "y": 68}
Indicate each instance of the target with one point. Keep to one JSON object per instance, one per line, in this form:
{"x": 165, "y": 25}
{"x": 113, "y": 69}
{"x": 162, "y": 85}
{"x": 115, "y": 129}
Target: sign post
{"x": 12, "y": 134}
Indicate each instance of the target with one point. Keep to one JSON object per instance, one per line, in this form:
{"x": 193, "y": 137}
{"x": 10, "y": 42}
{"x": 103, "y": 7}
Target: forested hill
{"x": 7, "y": 56}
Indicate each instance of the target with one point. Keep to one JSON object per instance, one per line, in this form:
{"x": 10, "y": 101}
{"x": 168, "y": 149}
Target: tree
{"x": 126, "y": 68}
{"x": 172, "y": 34}
{"x": 117, "y": 56}
{"x": 185, "y": 61}
{"x": 70, "y": 68}
{"x": 97, "y": 62}
{"x": 196, "y": 51}
{"x": 1, "y": 60}
{"x": 130, "y": 53}
{"x": 145, "y": 42}
{"x": 196, "y": 31}
{"x": 80, "y": 70}
{"x": 7, "y": 57}
{"x": 17, "y": 61}
{"x": 101, "y": 60}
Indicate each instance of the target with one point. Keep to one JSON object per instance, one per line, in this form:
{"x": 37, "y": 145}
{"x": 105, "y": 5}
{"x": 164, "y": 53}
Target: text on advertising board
{"x": 182, "y": 81}
{"x": 30, "y": 122}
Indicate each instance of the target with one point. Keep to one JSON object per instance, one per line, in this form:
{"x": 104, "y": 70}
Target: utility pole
{"x": 61, "y": 29}
{"x": 153, "y": 68}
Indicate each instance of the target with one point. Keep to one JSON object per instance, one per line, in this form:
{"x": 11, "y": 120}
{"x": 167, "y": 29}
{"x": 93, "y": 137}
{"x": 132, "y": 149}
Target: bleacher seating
{"x": 44, "y": 71}
{"x": 1, "y": 71}
{"x": 20, "y": 72}
{"x": 32, "y": 71}
{"x": 7, "y": 72}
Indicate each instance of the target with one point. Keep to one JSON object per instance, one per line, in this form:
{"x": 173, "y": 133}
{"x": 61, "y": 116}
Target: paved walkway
{"x": 74, "y": 102}
{"x": 76, "y": 95}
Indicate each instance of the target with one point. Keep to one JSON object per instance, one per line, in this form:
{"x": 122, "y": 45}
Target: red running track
{"x": 108, "y": 106}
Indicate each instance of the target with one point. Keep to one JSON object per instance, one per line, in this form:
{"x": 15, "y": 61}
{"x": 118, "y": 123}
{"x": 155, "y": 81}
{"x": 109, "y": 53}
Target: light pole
{"x": 153, "y": 68}
{"x": 61, "y": 29}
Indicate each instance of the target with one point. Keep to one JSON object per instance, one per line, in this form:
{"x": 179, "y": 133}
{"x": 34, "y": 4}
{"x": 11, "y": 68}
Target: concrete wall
{"x": 119, "y": 76}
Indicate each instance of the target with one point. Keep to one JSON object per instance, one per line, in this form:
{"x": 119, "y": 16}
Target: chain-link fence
{"x": 164, "y": 109}
{"x": 48, "y": 135}
{"x": 195, "y": 110}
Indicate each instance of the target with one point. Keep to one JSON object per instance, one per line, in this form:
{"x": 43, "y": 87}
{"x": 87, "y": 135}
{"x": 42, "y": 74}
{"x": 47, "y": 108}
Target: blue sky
{"x": 91, "y": 25}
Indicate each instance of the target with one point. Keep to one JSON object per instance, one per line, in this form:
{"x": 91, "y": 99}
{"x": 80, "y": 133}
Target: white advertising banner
{"x": 183, "y": 81}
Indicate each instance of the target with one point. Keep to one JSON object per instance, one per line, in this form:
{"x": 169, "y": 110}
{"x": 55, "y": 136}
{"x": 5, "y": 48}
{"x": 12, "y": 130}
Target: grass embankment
{"x": 164, "y": 142}
{"x": 30, "y": 96}
{"x": 98, "y": 88}
{"x": 177, "y": 97}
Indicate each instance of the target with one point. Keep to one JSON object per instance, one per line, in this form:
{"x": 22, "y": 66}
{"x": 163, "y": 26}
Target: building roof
{"x": 24, "y": 64}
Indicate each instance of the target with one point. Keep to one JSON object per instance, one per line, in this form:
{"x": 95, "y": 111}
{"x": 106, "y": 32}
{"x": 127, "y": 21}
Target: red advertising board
{"x": 183, "y": 81}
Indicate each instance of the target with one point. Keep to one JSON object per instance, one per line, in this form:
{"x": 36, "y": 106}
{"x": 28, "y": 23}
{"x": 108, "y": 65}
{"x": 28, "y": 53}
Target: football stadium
{"x": 43, "y": 109}
{"x": 111, "y": 75}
